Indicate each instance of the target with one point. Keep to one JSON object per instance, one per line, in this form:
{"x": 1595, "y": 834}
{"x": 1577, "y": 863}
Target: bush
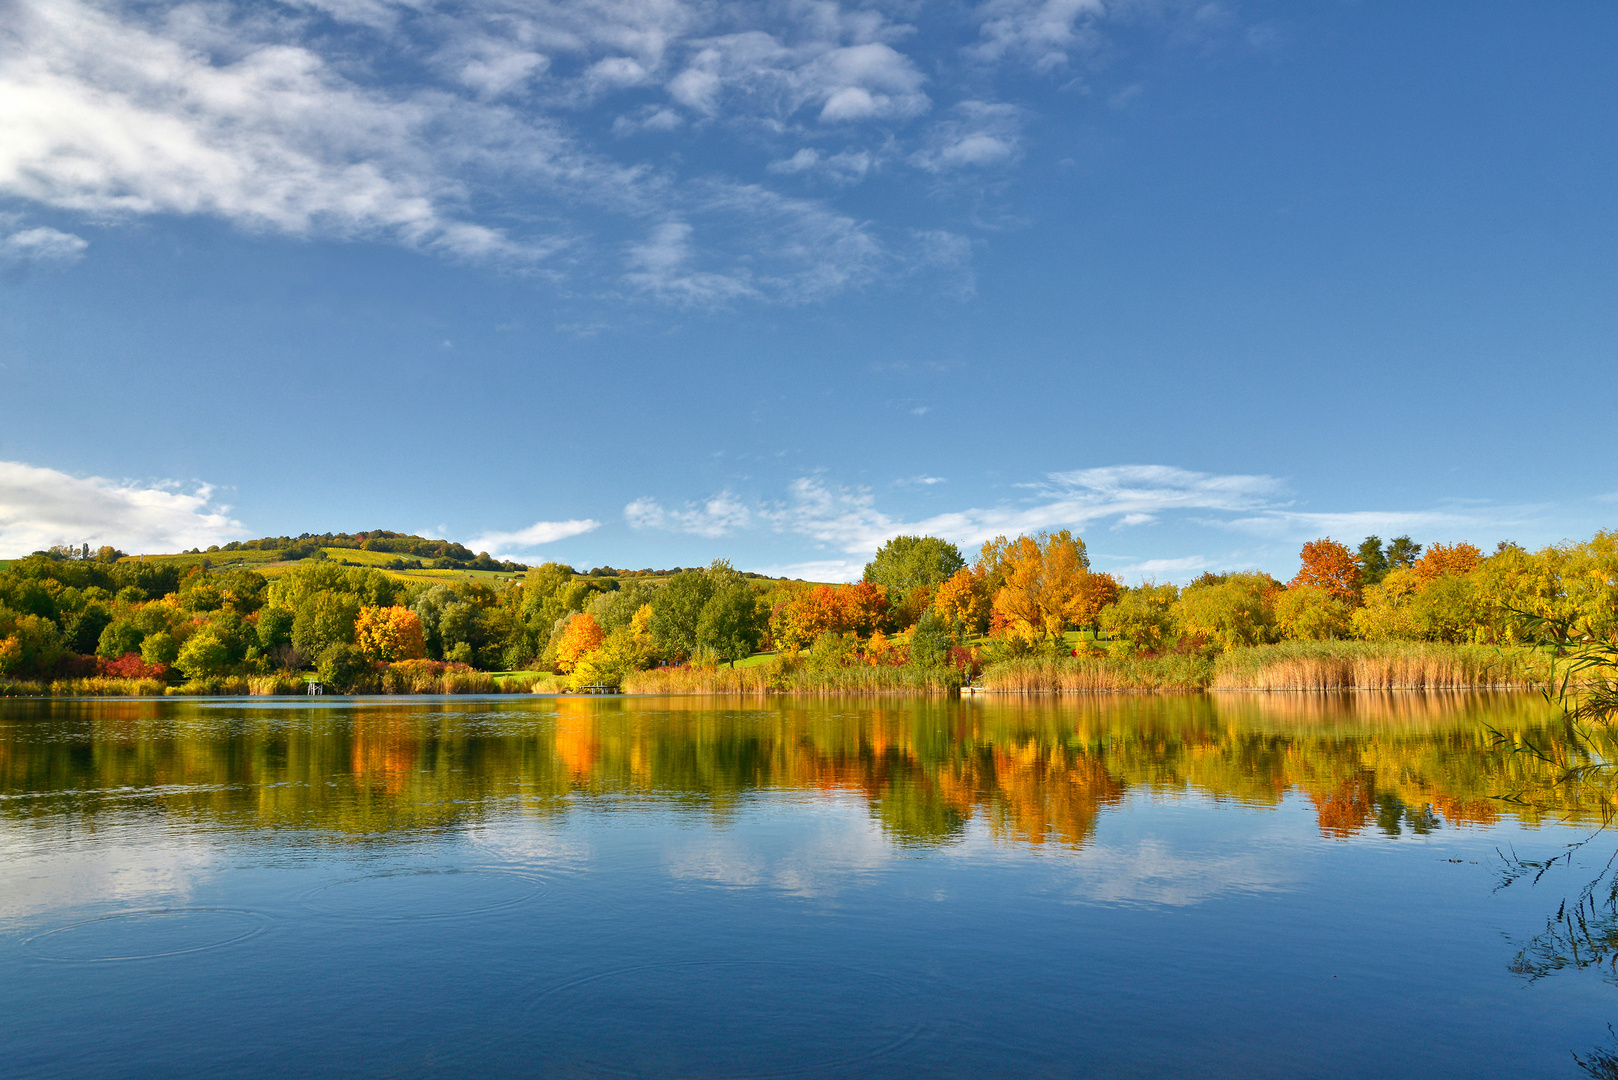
{"x": 344, "y": 669}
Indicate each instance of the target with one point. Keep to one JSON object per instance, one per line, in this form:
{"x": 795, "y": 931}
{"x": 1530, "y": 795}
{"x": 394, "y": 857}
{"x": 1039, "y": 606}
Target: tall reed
{"x": 786, "y": 675}
{"x": 271, "y": 685}
{"x": 100, "y": 686}
{"x": 1360, "y": 665}
{"x": 1090, "y": 674}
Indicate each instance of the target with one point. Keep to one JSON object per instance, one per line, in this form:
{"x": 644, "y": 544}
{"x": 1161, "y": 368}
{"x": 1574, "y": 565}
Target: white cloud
{"x": 540, "y": 532}
{"x": 486, "y": 130}
{"x": 1040, "y": 32}
{"x": 720, "y": 515}
{"x": 42, "y": 507}
{"x": 847, "y": 519}
{"x": 41, "y": 244}
{"x": 847, "y": 166}
{"x": 976, "y": 135}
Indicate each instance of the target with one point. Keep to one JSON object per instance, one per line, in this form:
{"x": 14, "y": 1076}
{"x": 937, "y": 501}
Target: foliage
{"x": 1312, "y": 613}
{"x": 30, "y": 645}
{"x": 343, "y": 669}
{"x": 1047, "y": 587}
{"x": 964, "y": 601}
{"x": 582, "y": 637}
{"x": 909, "y": 562}
{"x": 1330, "y": 567}
{"x": 1142, "y": 616}
{"x": 389, "y": 634}
{"x": 204, "y": 653}
{"x": 1457, "y": 559}
{"x": 1232, "y": 612}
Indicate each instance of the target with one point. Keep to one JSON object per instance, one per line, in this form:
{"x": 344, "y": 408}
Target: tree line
{"x": 71, "y": 612}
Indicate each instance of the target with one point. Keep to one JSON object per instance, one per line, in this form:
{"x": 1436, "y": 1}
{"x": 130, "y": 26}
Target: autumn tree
{"x": 1142, "y": 616}
{"x": 1046, "y": 587}
{"x": 1458, "y": 559}
{"x": 390, "y": 634}
{"x": 1231, "y": 611}
{"x": 581, "y": 637}
{"x": 1312, "y": 613}
{"x": 1329, "y": 566}
{"x": 963, "y": 601}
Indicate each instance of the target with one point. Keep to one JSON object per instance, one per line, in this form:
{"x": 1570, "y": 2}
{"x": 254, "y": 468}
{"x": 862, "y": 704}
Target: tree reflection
{"x": 1028, "y": 772}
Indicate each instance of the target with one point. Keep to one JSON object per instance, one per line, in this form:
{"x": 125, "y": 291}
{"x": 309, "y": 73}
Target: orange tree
{"x": 1330, "y": 566}
{"x": 1458, "y": 559}
{"x": 580, "y": 637}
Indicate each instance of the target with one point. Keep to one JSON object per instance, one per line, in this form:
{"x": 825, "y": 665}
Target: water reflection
{"x": 1033, "y": 772}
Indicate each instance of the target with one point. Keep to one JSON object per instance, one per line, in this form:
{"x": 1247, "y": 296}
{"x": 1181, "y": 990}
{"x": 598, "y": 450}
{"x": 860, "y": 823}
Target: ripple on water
{"x": 425, "y": 893}
{"x": 147, "y": 934}
{"x": 725, "y": 1019}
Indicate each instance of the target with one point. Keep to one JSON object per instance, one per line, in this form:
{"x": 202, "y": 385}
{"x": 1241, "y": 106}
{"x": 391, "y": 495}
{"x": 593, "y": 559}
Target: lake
{"x": 1208, "y": 886}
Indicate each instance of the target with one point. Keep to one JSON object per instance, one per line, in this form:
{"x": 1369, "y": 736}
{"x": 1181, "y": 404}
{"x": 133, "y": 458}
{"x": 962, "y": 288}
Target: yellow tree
{"x": 1046, "y": 586}
{"x": 390, "y": 634}
{"x": 963, "y": 598}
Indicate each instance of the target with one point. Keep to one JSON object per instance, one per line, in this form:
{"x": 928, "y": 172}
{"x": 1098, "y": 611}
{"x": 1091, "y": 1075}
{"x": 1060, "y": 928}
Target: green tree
{"x": 908, "y": 562}
{"x": 1143, "y": 616}
{"x": 159, "y": 648}
{"x": 731, "y": 623}
{"x": 342, "y": 667}
{"x": 1231, "y": 612}
{"x": 1312, "y": 613}
{"x": 275, "y": 627}
{"x": 322, "y": 620}
{"x": 1403, "y": 553}
{"x": 677, "y": 610}
{"x": 30, "y": 645}
{"x": 117, "y": 638}
{"x": 930, "y": 641}
{"x": 1373, "y": 560}
{"x": 204, "y": 653}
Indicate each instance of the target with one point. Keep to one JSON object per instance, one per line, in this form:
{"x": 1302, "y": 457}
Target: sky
{"x": 643, "y": 283}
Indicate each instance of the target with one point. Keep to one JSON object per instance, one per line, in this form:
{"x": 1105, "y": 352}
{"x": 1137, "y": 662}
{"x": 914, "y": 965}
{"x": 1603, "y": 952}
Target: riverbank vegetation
{"x": 1028, "y": 615}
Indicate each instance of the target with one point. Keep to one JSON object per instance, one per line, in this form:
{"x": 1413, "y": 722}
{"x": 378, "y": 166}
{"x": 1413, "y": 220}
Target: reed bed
{"x": 213, "y": 686}
{"x": 1359, "y": 665}
{"x": 787, "y": 676}
{"x": 22, "y": 688}
{"x": 1096, "y": 675}
{"x": 102, "y": 686}
{"x": 274, "y": 685}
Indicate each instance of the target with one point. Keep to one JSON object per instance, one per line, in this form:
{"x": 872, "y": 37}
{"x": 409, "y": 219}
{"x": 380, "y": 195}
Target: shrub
{"x": 343, "y": 668}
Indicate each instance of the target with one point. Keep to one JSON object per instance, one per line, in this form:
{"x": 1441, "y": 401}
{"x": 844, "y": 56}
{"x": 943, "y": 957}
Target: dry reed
{"x": 106, "y": 687}
{"x": 1092, "y": 675}
{"x": 1356, "y": 665}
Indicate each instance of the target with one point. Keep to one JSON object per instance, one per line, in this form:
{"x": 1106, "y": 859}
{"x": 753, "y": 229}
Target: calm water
{"x": 1139, "y": 886}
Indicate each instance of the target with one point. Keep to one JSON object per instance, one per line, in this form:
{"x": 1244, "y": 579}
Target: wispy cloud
{"x": 719, "y": 515}
{"x": 536, "y": 535}
{"x": 39, "y": 244}
{"x": 533, "y": 134}
{"x": 43, "y": 507}
{"x": 848, "y": 524}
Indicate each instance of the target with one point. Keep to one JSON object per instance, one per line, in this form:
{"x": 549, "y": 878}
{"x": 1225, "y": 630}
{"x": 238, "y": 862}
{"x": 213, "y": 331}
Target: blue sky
{"x": 646, "y": 282}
